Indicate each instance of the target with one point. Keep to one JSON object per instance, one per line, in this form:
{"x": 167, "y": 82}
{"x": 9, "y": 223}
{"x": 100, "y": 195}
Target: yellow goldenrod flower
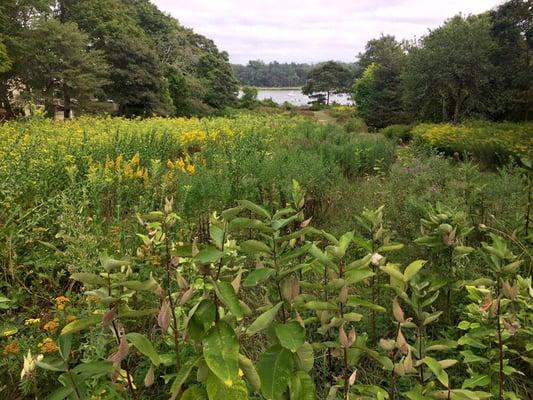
{"x": 135, "y": 160}
{"x": 32, "y": 321}
{"x": 9, "y": 332}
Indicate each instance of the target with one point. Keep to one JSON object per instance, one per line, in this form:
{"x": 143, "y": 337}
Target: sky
{"x": 311, "y": 30}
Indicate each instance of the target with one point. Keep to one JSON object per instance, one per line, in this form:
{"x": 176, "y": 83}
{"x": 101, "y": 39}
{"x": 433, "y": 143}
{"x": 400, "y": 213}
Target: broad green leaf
{"x": 93, "y": 368}
{"x": 393, "y": 272}
{"x": 80, "y": 324}
{"x": 264, "y": 320}
{"x": 432, "y": 317}
{"x": 110, "y": 264}
{"x": 437, "y": 369}
{"x": 302, "y": 387}
{"x": 305, "y": 357}
{"x": 320, "y": 256}
{"x": 143, "y": 345}
{"x": 51, "y": 364}
{"x": 205, "y": 313}
{"x": 209, "y": 255}
{"x": 217, "y": 235}
{"x": 412, "y": 269}
{"x": 218, "y": 390}
{"x": 290, "y": 335}
{"x": 64, "y": 343}
{"x": 226, "y": 294}
{"x": 148, "y": 285}
{"x": 255, "y": 208}
{"x": 257, "y": 276}
{"x": 354, "y": 301}
{"x": 250, "y": 373}
{"x": 321, "y": 306}
{"x": 476, "y": 381}
{"x": 470, "y": 358}
{"x": 88, "y": 279}
{"x": 61, "y": 393}
{"x": 390, "y": 247}
{"x": 254, "y": 246}
{"x": 221, "y": 352}
{"x": 194, "y": 393}
{"x": 231, "y": 213}
{"x": 182, "y": 376}
{"x": 275, "y": 369}
{"x": 358, "y": 275}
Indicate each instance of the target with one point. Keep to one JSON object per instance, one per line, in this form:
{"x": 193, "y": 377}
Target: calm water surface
{"x": 297, "y": 98}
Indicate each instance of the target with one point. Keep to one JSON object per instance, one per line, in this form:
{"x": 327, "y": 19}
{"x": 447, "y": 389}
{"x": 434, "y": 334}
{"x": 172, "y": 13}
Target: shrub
{"x": 490, "y": 142}
{"x": 398, "y": 132}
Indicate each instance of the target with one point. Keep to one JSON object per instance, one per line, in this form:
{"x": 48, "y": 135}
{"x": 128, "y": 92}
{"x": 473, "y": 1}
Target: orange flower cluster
{"x": 48, "y": 346}
{"x": 61, "y": 302}
{"x": 12, "y": 348}
{"x": 51, "y": 326}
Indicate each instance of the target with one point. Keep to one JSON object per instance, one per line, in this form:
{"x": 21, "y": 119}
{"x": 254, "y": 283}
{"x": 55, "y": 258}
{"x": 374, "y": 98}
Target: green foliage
{"x": 491, "y": 143}
{"x": 377, "y": 92}
{"x": 398, "y": 133}
{"x": 249, "y": 97}
{"x": 328, "y": 78}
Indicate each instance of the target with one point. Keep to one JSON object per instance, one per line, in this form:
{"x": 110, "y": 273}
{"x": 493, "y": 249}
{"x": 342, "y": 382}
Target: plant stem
{"x": 117, "y": 337}
{"x": 170, "y": 300}
{"x": 500, "y": 343}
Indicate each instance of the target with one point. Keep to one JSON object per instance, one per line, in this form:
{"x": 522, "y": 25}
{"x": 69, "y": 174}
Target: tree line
{"x": 276, "y": 74}
{"x": 124, "y": 51}
{"x": 476, "y": 66}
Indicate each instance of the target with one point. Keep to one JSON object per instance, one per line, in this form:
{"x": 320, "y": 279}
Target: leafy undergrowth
{"x": 134, "y": 268}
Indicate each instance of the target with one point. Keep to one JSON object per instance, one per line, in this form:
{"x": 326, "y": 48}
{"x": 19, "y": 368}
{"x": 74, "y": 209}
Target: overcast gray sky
{"x": 311, "y": 30}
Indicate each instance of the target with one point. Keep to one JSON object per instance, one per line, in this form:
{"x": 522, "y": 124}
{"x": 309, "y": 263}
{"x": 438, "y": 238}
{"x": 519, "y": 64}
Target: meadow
{"x": 265, "y": 256}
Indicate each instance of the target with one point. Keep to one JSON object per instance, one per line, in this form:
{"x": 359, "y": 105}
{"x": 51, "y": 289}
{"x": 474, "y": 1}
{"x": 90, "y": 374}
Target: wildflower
{"x": 135, "y": 160}
{"x": 61, "y": 302}
{"x": 9, "y": 332}
{"x": 118, "y": 161}
{"x": 51, "y": 326}
{"x": 376, "y": 259}
{"x": 71, "y": 318}
{"x": 32, "y": 321}
{"x": 93, "y": 299}
{"x": 48, "y": 346}
{"x": 12, "y": 348}
{"x": 29, "y": 364}
{"x": 128, "y": 172}
{"x": 139, "y": 173}
{"x": 170, "y": 165}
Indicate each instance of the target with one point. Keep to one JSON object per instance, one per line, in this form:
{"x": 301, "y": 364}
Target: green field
{"x": 250, "y": 254}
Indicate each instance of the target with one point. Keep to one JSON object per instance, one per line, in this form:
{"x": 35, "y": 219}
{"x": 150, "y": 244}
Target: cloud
{"x": 314, "y": 30}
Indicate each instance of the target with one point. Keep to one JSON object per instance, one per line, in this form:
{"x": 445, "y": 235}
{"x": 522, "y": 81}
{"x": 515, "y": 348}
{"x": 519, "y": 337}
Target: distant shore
{"x": 275, "y": 88}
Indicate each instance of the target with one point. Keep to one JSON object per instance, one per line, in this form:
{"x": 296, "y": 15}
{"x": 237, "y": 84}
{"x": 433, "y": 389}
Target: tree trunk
{"x": 4, "y": 100}
{"x": 327, "y": 101}
{"x": 66, "y": 103}
{"x": 444, "y": 111}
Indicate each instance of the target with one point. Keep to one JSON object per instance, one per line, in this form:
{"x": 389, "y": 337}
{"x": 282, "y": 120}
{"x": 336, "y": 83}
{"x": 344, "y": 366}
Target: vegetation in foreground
{"x": 179, "y": 258}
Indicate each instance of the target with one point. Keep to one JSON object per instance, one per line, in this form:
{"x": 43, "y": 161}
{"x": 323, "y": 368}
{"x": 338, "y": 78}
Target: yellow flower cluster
{"x": 48, "y": 346}
{"x": 183, "y": 164}
{"x": 477, "y": 137}
{"x": 32, "y": 321}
